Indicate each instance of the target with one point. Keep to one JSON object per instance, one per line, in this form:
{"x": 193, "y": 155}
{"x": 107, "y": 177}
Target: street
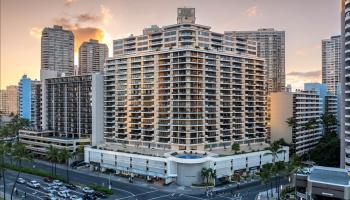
{"x": 122, "y": 190}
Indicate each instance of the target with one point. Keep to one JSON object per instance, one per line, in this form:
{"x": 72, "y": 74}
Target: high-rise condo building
{"x": 176, "y": 98}
{"x": 68, "y": 110}
{"x": 185, "y": 88}
{"x": 302, "y": 110}
{"x": 24, "y": 97}
{"x": 92, "y": 56}
{"x": 9, "y": 100}
{"x": 57, "y": 50}
{"x": 331, "y": 49}
{"x": 345, "y": 86}
{"x": 271, "y": 47}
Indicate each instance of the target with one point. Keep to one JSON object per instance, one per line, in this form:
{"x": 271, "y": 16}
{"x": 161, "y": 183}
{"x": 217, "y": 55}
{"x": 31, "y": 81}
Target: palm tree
{"x": 235, "y": 147}
{"x": 265, "y": 176}
{"x": 328, "y": 120}
{"x": 291, "y": 121}
{"x": 79, "y": 151}
{"x": 205, "y": 175}
{"x": 64, "y": 155}
{"x": 52, "y": 155}
{"x": 20, "y": 154}
{"x": 2, "y": 167}
{"x": 274, "y": 149}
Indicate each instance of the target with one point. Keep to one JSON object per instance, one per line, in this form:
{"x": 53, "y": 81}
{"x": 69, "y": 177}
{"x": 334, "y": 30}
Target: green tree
{"x": 205, "y": 175}
{"x": 52, "y": 155}
{"x": 2, "y": 166}
{"x": 235, "y": 147}
{"x": 265, "y": 175}
{"x": 291, "y": 121}
{"x": 328, "y": 120}
{"x": 19, "y": 153}
{"x": 274, "y": 149}
{"x": 326, "y": 152}
{"x": 64, "y": 155}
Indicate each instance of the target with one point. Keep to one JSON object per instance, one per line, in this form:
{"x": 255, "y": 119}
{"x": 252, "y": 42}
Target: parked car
{"x": 57, "y": 182}
{"x": 33, "y": 184}
{"x": 63, "y": 194}
{"x": 75, "y": 163}
{"x": 100, "y": 195}
{"x": 89, "y": 197}
{"x": 47, "y": 179}
{"x": 71, "y": 186}
{"x": 21, "y": 180}
{"x": 50, "y": 197}
{"x": 75, "y": 197}
{"x": 49, "y": 190}
{"x": 88, "y": 190}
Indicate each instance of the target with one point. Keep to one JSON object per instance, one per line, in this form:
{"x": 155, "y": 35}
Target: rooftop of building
{"x": 221, "y": 152}
{"x": 327, "y": 175}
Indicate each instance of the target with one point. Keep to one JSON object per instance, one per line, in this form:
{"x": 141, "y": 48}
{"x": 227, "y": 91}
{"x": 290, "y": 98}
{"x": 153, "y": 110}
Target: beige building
{"x": 92, "y": 56}
{"x": 303, "y": 107}
{"x": 9, "y": 100}
{"x": 184, "y": 87}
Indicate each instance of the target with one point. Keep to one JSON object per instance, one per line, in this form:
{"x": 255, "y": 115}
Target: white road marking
{"x": 159, "y": 197}
{"x": 139, "y": 194}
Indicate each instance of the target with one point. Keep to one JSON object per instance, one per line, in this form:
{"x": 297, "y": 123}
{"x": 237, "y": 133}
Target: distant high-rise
{"x": 92, "y": 56}
{"x": 8, "y": 100}
{"x": 271, "y": 46}
{"x": 331, "y": 49}
{"x": 24, "y": 97}
{"x": 57, "y": 50}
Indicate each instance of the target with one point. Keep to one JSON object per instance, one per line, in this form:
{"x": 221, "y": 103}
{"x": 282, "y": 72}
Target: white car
{"x": 21, "y": 180}
{"x": 75, "y": 197}
{"x": 49, "y": 190}
{"x": 63, "y": 194}
{"x": 88, "y": 190}
{"x": 33, "y": 184}
{"x": 57, "y": 182}
{"x": 51, "y": 197}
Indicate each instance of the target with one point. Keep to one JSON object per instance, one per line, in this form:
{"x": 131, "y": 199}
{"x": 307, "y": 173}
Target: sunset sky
{"x": 306, "y": 23}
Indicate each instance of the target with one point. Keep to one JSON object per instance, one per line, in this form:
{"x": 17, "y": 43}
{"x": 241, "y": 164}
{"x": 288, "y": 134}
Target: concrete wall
{"x": 281, "y": 110}
{"x": 97, "y": 109}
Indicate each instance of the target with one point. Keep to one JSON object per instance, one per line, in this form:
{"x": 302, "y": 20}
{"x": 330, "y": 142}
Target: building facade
{"x": 184, "y": 87}
{"x": 25, "y": 97}
{"x": 68, "y": 110}
{"x": 304, "y": 110}
{"x": 57, "y": 50}
{"x": 331, "y": 49}
{"x": 9, "y": 100}
{"x": 92, "y": 56}
{"x": 345, "y": 86}
{"x": 271, "y": 47}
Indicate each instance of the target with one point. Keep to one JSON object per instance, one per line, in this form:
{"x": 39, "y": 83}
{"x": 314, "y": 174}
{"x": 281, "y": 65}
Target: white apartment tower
{"x": 331, "y": 49}
{"x": 92, "y": 56}
{"x": 57, "y": 50}
{"x": 271, "y": 47}
{"x": 304, "y": 109}
{"x": 184, "y": 87}
{"x": 345, "y": 86}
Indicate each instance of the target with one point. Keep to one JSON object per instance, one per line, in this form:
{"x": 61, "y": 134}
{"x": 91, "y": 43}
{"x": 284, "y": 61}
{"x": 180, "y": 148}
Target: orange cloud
{"x": 68, "y": 2}
{"x": 83, "y": 34}
{"x": 35, "y": 32}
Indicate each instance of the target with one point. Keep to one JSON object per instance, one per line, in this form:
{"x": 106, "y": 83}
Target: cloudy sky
{"x": 306, "y": 23}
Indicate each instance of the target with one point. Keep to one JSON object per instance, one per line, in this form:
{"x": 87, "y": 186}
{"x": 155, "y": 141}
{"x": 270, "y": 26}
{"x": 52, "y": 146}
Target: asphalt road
{"x": 122, "y": 190}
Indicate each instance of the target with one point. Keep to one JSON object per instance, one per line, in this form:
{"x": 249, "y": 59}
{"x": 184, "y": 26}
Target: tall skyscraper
{"x": 24, "y": 97}
{"x": 57, "y": 50}
{"x": 331, "y": 49}
{"x": 9, "y": 100}
{"x": 92, "y": 56}
{"x": 345, "y": 86}
{"x": 271, "y": 47}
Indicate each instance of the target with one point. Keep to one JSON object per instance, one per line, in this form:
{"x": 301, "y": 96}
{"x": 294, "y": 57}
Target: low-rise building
{"x": 182, "y": 167}
{"x": 323, "y": 183}
{"x": 9, "y": 100}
